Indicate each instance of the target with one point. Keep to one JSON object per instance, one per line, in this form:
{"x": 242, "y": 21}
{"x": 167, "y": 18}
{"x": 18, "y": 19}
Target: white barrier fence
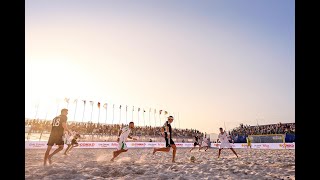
{"x": 43, "y": 145}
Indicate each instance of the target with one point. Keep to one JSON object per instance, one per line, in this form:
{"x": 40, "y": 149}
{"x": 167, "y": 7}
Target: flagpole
{"x": 99, "y": 113}
{"x": 84, "y": 109}
{"x": 132, "y": 113}
{"x": 75, "y": 110}
{"x": 159, "y": 119}
{"x": 99, "y": 116}
{"x": 35, "y": 117}
{"x": 144, "y": 121}
{"x": 91, "y": 110}
{"x": 46, "y": 116}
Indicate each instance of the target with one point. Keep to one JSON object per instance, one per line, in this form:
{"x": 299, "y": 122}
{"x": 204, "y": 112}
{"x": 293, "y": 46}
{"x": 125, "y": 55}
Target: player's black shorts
{"x": 57, "y": 140}
{"x": 73, "y": 141}
{"x": 196, "y": 144}
{"x": 171, "y": 142}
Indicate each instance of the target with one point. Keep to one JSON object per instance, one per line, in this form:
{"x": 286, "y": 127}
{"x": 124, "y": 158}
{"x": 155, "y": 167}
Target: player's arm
{"x": 65, "y": 127}
{"x": 119, "y": 135}
{"x": 64, "y": 124}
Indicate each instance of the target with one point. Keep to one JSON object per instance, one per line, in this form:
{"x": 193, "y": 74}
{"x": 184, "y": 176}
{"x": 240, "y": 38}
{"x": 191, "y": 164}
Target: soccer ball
{"x": 192, "y": 158}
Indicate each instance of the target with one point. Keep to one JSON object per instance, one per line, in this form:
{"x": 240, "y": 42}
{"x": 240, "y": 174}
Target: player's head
{"x": 64, "y": 111}
{"x": 221, "y": 130}
{"x": 131, "y": 125}
{"x": 170, "y": 119}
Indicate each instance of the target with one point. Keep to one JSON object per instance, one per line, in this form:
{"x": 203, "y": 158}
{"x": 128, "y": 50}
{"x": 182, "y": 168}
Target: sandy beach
{"x": 141, "y": 164}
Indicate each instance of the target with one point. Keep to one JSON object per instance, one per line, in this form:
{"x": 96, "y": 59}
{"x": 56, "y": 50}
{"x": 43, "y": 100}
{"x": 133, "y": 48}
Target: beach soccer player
{"x": 59, "y": 125}
{"x": 166, "y": 132}
{"x": 123, "y": 135}
{"x": 196, "y": 142}
{"x": 224, "y": 139}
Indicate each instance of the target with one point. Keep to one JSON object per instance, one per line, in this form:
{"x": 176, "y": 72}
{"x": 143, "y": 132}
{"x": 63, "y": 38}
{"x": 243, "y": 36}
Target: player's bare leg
{"x": 219, "y": 153}
{"x": 65, "y": 152}
{"x": 116, "y": 153}
{"x": 234, "y": 152}
{"x": 192, "y": 149}
{"x": 174, "y": 152}
{"x": 60, "y": 148}
{"x": 166, "y": 149}
{"x": 46, "y": 155}
{"x": 75, "y": 145}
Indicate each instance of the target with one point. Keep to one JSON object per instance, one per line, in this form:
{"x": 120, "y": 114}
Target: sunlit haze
{"x": 210, "y": 64}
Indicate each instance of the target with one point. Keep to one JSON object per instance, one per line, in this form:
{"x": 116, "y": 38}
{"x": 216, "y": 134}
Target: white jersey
{"x": 68, "y": 137}
{"x": 123, "y": 136}
{"x": 224, "y": 139}
{"x": 125, "y": 133}
{"x": 205, "y": 142}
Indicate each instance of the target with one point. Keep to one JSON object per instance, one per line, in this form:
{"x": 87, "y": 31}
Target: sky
{"x": 210, "y": 64}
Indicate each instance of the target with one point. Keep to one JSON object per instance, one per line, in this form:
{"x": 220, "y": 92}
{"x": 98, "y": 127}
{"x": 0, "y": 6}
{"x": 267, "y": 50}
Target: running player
{"x": 59, "y": 125}
{"x": 204, "y": 143}
{"x": 224, "y": 139}
{"x": 166, "y": 132}
{"x": 196, "y": 142}
{"x": 68, "y": 139}
{"x": 123, "y": 135}
{"x": 248, "y": 142}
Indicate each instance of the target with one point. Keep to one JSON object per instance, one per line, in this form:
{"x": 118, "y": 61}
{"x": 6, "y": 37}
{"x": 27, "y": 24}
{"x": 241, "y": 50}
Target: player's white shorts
{"x": 67, "y": 139}
{"x": 204, "y": 143}
{"x": 225, "y": 145}
{"x": 122, "y": 145}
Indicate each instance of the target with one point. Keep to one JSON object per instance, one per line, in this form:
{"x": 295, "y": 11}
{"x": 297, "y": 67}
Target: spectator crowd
{"x": 90, "y": 128}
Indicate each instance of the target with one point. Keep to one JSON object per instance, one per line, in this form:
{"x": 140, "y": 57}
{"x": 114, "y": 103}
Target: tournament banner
{"x": 132, "y": 144}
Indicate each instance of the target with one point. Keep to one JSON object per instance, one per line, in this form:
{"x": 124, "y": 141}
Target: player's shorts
{"x": 74, "y": 141}
{"x": 196, "y": 144}
{"x": 122, "y": 145}
{"x": 225, "y": 145}
{"x": 167, "y": 142}
{"x": 67, "y": 140}
{"x": 55, "y": 140}
{"x": 204, "y": 143}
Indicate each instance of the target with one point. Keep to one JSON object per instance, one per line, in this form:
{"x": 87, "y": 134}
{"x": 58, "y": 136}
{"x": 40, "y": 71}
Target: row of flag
{"x": 67, "y": 100}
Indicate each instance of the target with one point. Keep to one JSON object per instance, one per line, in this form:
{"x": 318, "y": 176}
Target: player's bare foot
{"x": 49, "y": 159}
{"x": 173, "y": 161}
{"x": 154, "y": 151}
